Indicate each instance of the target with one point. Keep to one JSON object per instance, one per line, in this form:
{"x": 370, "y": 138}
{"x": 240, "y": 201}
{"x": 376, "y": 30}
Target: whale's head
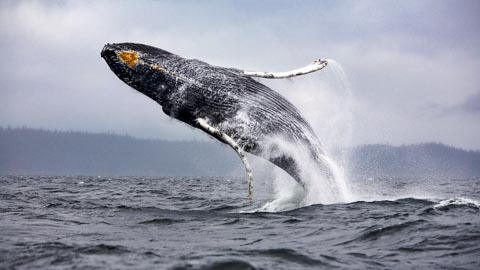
{"x": 141, "y": 67}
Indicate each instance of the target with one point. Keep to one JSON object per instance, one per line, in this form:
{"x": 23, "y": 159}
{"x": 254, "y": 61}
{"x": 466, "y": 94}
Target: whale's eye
{"x": 129, "y": 57}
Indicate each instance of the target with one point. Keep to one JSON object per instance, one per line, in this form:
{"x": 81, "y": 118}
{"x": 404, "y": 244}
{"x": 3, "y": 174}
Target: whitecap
{"x": 457, "y": 201}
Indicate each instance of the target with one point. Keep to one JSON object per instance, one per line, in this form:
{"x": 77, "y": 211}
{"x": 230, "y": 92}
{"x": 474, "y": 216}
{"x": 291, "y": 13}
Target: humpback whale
{"x": 227, "y": 103}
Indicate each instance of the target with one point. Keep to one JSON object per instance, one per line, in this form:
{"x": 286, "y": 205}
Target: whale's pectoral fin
{"x": 203, "y": 123}
{"x": 315, "y": 66}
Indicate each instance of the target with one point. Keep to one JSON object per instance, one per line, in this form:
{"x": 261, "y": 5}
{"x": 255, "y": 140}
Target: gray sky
{"x": 412, "y": 66}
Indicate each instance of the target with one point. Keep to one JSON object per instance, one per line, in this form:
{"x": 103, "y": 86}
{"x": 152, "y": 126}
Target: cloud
{"x": 472, "y": 104}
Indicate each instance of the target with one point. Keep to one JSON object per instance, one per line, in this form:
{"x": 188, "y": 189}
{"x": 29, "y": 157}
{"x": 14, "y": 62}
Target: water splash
{"x": 324, "y": 99}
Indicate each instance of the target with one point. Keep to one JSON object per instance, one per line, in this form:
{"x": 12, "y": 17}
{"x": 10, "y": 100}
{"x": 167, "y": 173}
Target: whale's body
{"x": 256, "y": 117}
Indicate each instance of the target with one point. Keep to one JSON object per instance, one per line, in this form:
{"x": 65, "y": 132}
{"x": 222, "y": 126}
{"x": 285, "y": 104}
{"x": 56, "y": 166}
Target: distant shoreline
{"x": 27, "y": 151}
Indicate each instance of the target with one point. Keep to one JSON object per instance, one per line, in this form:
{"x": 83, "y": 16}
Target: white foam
{"x": 456, "y": 201}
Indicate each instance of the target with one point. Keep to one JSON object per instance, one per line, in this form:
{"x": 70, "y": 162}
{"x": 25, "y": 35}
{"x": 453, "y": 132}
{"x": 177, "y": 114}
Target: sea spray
{"x": 324, "y": 98}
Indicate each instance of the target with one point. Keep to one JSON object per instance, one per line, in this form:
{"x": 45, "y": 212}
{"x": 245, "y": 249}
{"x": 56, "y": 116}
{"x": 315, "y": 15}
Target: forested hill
{"x": 34, "y": 151}
{"x": 418, "y": 160}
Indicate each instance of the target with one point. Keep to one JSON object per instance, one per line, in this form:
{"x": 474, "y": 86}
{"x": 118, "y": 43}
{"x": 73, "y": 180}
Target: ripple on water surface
{"x": 166, "y": 223}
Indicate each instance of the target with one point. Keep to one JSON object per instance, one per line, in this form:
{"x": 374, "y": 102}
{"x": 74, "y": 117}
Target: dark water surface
{"x": 208, "y": 223}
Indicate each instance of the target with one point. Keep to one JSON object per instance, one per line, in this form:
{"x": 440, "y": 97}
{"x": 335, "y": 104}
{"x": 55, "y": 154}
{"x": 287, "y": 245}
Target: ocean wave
{"x": 224, "y": 264}
{"x": 161, "y": 221}
{"x": 430, "y": 203}
{"x": 376, "y": 231}
{"x": 103, "y": 249}
{"x": 460, "y": 201}
{"x": 290, "y": 255}
{"x": 276, "y": 207}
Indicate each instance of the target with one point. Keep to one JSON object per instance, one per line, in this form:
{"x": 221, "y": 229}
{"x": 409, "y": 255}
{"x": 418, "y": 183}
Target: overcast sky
{"x": 413, "y": 66}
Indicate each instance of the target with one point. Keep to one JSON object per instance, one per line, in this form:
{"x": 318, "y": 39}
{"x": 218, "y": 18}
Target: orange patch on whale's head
{"x": 129, "y": 57}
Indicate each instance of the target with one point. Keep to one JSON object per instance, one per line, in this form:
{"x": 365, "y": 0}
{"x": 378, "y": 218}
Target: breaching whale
{"x": 227, "y": 103}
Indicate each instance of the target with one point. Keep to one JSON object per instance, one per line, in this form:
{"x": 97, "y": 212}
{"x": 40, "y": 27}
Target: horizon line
{"x": 117, "y": 134}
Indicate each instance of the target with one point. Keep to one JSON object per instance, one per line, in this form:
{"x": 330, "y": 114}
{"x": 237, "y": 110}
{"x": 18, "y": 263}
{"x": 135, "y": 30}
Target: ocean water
{"x": 51, "y": 222}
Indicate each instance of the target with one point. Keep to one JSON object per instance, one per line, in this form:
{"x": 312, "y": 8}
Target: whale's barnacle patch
{"x": 157, "y": 67}
{"x": 129, "y": 57}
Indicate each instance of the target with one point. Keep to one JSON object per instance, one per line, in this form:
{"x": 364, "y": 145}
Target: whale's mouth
{"x": 129, "y": 57}
{"x": 107, "y": 51}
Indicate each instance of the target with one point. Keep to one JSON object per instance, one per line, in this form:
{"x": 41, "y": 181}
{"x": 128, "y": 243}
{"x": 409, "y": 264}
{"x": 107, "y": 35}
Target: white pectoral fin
{"x": 315, "y": 66}
{"x": 203, "y": 123}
